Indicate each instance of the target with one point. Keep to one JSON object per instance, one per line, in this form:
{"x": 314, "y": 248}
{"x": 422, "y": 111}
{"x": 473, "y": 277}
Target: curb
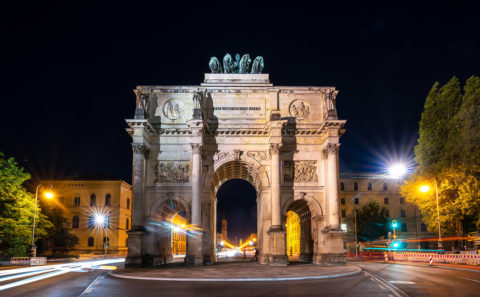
{"x": 317, "y": 277}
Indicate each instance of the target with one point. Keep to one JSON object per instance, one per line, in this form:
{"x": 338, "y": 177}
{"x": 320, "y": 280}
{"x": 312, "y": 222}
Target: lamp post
{"x": 425, "y": 189}
{"x": 100, "y": 223}
{"x": 48, "y": 195}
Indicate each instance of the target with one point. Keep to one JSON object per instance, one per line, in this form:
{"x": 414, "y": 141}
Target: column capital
{"x": 196, "y": 148}
{"x": 275, "y": 148}
{"x": 331, "y": 148}
{"x": 141, "y": 149}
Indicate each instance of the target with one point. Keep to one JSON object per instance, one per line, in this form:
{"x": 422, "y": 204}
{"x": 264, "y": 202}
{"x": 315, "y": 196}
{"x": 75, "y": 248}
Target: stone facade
{"x": 81, "y": 200}
{"x": 386, "y": 191}
{"x": 188, "y": 140}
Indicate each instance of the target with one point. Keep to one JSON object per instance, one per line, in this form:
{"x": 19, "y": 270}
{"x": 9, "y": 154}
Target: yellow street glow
{"x": 424, "y": 188}
{"x": 48, "y": 195}
{"x": 108, "y": 267}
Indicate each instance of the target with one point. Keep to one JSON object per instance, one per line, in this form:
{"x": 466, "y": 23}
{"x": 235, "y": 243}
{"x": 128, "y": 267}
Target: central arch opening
{"x": 234, "y": 195}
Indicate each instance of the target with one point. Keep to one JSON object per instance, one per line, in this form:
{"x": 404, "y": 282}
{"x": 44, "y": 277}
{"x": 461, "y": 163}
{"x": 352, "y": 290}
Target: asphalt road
{"x": 377, "y": 279}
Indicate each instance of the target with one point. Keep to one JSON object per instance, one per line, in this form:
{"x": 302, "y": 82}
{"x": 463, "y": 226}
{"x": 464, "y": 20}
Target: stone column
{"x": 277, "y": 238}
{"x": 135, "y": 236}
{"x": 194, "y": 254}
{"x": 196, "y": 185}
{"x": 275, "y": 187}
{"x": 330, "y": 152}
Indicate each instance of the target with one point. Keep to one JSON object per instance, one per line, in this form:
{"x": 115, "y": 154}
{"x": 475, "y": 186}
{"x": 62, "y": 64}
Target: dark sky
{"x": 68, "y": 68}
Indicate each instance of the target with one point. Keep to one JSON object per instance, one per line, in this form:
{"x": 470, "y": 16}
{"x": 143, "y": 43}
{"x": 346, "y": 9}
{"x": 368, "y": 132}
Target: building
{"x": 357, "y": 189}
{"x": 188, "y": 140}
{"x": 98, "y": 212}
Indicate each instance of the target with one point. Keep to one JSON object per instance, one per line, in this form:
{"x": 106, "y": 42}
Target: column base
{"x": 277, "y": 255}
{"x": 133, "y": 262}
{"x": 330, "y": 259}
{"x": 277, "y": 260}
{"x": 134, "y": 257}
{"x": 191, "y": 260}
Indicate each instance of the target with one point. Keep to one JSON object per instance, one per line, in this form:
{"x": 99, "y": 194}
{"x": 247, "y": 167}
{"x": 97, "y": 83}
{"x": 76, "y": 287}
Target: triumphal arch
{"x": 188, "y": 140}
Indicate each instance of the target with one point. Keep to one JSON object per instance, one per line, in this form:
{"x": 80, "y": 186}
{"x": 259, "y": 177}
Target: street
{"x": 376, "y": 279}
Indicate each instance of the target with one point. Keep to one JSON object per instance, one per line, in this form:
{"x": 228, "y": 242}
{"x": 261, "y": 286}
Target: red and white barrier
{"x": 471, "y": 259}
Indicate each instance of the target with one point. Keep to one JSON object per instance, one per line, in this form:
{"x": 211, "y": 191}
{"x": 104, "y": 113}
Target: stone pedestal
{"x": 277, "y": 240}
{"x": 332, "y": 253}
{"x": 134, "y": 257}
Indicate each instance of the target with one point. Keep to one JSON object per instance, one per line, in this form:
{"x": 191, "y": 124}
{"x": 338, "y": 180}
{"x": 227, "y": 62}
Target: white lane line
{"x": 89, "y": 289}
{"x": 473, "y": 280}
{"x": 25, "y": 274}
{"x": 400, "y": 282}
{"x": 392, "y": 288}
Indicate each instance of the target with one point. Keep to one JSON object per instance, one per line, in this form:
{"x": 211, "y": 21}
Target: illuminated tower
{"x": 224, "y": 227}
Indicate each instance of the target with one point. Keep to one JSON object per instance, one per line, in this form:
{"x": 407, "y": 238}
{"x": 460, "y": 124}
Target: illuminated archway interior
{"x": 179, "y": 236}
{"x": 293, "y": 234}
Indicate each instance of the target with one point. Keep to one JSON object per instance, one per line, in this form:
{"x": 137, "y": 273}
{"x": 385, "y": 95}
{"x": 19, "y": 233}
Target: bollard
{"x": 386, "y": 257}
{"x": 430, "y": 260}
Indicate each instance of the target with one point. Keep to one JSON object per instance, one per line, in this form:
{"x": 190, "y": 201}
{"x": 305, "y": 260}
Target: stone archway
{"x": 161, "y": 224}
{"x": 228, "y": 170}
{"x": 301, "y": 208}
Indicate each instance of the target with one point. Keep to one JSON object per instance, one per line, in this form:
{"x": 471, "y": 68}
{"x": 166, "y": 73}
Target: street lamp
{"x": 48, "y": 195}
{"x": 99, "y": 220}
{"x": 426, "y": 189}
{"x": 397, "y": 170}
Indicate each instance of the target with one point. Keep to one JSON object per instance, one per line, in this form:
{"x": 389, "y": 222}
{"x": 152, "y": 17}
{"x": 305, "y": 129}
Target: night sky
{"x": 68, "y": 68}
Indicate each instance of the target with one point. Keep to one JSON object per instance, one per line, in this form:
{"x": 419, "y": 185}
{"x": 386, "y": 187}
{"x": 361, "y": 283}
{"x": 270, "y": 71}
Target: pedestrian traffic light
{"x": 394, "y": 224}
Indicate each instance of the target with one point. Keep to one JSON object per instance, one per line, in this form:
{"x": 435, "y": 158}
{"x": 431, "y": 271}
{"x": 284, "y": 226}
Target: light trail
{"x": 52, "y": 270}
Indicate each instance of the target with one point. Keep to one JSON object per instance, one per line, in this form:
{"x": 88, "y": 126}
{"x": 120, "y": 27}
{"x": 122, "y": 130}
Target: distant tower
{"x": 224, "y": 227}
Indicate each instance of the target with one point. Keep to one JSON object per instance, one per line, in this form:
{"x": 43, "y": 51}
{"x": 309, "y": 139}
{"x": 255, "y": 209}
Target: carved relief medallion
{"x": 171, "y": 171}
{"x": 299, "y": 109}
{"x": 300, "y": 171}
{"x": 173, "y": 109}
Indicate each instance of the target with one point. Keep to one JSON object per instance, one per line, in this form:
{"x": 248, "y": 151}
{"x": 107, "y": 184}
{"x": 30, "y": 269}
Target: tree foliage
{"x": 448, "y": 154}
{"x": 372, "y": 221}
{"x": 16, "y": 210}
{"x": 59, "y": 238}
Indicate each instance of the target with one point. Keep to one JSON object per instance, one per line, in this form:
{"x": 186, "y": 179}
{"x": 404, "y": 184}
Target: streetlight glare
{"x": 424, "y": 188}
{"x": 48, "y": 195}
{"x": 397, "y": 170}
{"x": 99, "y": 219}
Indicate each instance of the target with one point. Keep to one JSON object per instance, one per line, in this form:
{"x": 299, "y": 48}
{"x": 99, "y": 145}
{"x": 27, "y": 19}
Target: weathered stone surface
{"x": 281, "y": 139}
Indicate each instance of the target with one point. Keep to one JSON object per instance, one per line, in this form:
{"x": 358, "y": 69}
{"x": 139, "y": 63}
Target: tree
{"x": 372, "y": 221}
{"x": 59, "y": 238}
{"x": 448, "y": 154}
{"x": 16, "y": 210}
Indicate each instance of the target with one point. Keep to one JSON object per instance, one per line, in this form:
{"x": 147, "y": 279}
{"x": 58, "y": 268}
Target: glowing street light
{"x": 48, "y": 195}
{"x": 99, "y": 219}
{"x": 426, "y": 189}
{"x": 397, "y": 170}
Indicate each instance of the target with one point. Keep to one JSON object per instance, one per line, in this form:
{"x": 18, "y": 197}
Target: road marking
{"x": 400, "y": 282}
{"x": 473, "y": 280}
{"x": 392, "y": 288}
{"x": 89, "y": 289}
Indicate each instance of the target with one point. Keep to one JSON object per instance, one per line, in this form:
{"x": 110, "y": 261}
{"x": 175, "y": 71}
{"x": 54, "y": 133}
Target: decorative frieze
{"x": 299, "y": 109}
{"x": 300, "y": 171}
{"x": 172, "y": 171}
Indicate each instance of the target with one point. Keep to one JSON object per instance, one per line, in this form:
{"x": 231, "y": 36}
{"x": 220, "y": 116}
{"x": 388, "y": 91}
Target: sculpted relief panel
{"x": 300, "y": 171}
{"x": 299, "y": 109}
{"x": 172, "y": 171}
{"x": 172, "y": 109}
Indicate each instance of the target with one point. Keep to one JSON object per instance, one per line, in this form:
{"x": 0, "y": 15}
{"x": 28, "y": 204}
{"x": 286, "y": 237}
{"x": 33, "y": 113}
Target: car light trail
{"x": 52, "y": 270}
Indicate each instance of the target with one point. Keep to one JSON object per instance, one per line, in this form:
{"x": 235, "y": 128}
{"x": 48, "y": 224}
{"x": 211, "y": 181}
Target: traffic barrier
{"x": 471, "y": 259}
{"x": 386, "y": 257}
{"x": 430, "y": 260}
{"x": 21, "y": 261}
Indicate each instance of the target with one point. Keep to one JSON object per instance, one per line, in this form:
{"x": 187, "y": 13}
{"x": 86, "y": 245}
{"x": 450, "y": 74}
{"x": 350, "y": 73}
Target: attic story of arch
{"x": 189, "y": 139}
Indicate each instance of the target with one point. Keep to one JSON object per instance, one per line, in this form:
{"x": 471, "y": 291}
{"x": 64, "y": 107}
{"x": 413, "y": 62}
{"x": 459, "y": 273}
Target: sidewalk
{"x": 239, "y": 271}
